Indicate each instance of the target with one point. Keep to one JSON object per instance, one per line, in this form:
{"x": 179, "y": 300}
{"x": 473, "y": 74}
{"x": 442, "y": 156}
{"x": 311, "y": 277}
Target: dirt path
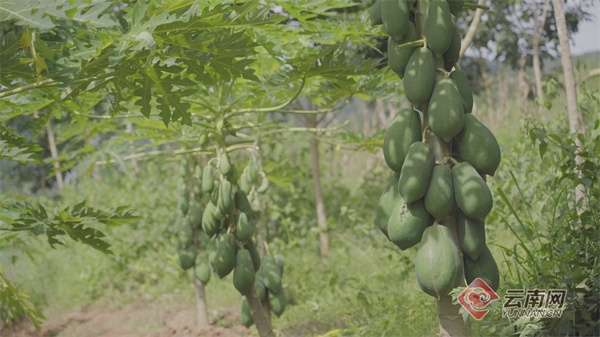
{"x": 137, "y": 319}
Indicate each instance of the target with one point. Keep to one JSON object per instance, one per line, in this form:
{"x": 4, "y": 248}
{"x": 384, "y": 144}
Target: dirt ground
{"x": 133, "y": 320}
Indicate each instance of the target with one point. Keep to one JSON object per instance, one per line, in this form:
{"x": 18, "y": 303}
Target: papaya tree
{"x": 439, "y": 154}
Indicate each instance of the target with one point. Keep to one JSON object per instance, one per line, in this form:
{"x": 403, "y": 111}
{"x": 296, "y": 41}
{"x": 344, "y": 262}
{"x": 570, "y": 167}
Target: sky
{"x": 587, "y": 39}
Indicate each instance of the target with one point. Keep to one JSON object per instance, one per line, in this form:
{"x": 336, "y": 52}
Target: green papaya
{"x": 197, "y": 190}
{"x": 245, "y": 316}
{"x": 404, "y": 130}
{"x": 202, "y": 240}
{"x": 439, "y": 199}
{"x": 207, "y": 179}
{"x": 184, "y": 203}
{"x": 252, "y": 171}
{"x": 245, "y": 184}
{"x": 280, "y": 264}
{"x": 270, "y": 275}
{"x": 203, "y": 138}
{"x": 446, "y": 112}
{"x": 277, "y": 302}
{"x": 260, "y": 287}
{"x": 224, "y": 259}
{"x": 416, "y": 172}
{"x": 394, "y": 16}
{"x": 407, "y": 224}
{"x": 462, "y": 83}
{"x": 183, "y": 170}
{"x": 452, "y": 55}
{"x": 187, "y": 256}
{"x": 438, "y": 265}
{"x": 472, "y": 194}
{"x": 224, "y": 201}
{"x": 483, "y": 267}
{"x": 244, "y": 228}
{"x": 264, "y": 185}
{"x": 241, "y": 202}
{"x": 419, "y": 76}
{"x": 185, "y": 233}
{"x": 478, "y": 146}
{"x": 375, "y": 13}
{"x": 438, "y": 27}
{"x": 234, "y": 174}
{"x": 202, "y": 268}
{"x": 388, "y": 200}
{"x": 195, "y": 214}
{"x": 243, "y": 274}
{"x": 456, "y": 6}
{"x": 225, "y": 164}
{"x": 471, "y": 235}
{"x": 251, "y": 247}
{"x": 210, "y": 225}
{"x": 398, "y": 58}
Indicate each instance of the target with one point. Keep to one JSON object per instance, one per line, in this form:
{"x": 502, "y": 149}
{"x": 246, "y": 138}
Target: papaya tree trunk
{"x": 259, "y": 315}
{"x": 535, "y": 44}
{"x": 54, "y": 153}
{"x": 319, "y": 202}
{"x": 451, "y": 322}
{"x": 575, "y": 117}
{"x": 201, "y": 307}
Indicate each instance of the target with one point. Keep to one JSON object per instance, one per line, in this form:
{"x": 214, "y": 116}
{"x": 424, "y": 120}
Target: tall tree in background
{"x": 575, "y": 118}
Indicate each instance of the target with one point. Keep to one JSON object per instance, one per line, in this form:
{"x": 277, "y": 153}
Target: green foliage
{"x": 71, "y": 221}
{"x": 15, "y": 304}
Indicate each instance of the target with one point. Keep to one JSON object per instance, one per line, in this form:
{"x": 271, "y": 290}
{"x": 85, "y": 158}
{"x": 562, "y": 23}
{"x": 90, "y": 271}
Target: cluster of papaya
{"x": 223, "y": 231}
{"x": 268, "y": 287}
{"x": 431, "y": 183}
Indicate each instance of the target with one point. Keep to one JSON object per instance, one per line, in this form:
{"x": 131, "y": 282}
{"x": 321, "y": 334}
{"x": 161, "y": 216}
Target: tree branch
{"x": 40, "y": 85}
{"x": 468, "y": 39}
{"x": 275, "y": 108}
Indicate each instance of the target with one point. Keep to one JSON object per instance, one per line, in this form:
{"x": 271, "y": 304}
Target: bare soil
{"x": 152, "y": 319}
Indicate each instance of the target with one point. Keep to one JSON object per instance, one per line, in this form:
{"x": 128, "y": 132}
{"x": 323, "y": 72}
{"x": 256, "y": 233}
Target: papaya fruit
{"x": 277, "y": 302}
{"x": 234, "y": 174}
{"x": 251, "y": 247}
{"x": 224, "y": 258}
{"x": 375, "y": 13}
{"x": 210, "y": 224}
{"x": 419, "y": 76}
{"x": 252, "y": 171}
{"x": 471, "y": 235}
{"x": 478, "y": 146}
{"x": 404, "y": 130}
{"x": 195, "y": 214}
{"x": 407, "y": 224}
{"x": 197, "y": 190}
{"x": 245, "y": 316}
{"x": 224, "y": 201}
{"x": 438, "y": 27}
{"x": 264, "y": 185}
{"x": 438, "y": 265}
{"x": 245, "y": 184}
{"x": 207, "y": 179}
{"x": 388, "y": 200}
{"x": 183, "y": 170}
{"x": 202, "y": 268}
{"x": 472, "y": 194}
{"x": 260, "y": 287}
{"x": 187, "y": 255}
{"x": 280, "y": 264}
{"x": 452, "y": 55}
{"x": 416, "y": 172}
{"x": 439, "y": 199}
{"x": 462, "y": 83}
{"x": 225, "y": 164}
{"x": 483, "y": 267}
{"x": 398, "y": 58}
{"x": 446, "y": 112}
{"x": 456, "y": 6}
{"x": 241, "y": 202}
{"x": 184, "y": 232}
{"x": 270, "y": 275}
{"x": 184, "y": 202}
{"x": 243, "y": 274}
{"x": 202, "y": 240}
{"x": 244, "y": 228}
{"x": 203, "y": 138}
{"x": 394, "y": 16}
